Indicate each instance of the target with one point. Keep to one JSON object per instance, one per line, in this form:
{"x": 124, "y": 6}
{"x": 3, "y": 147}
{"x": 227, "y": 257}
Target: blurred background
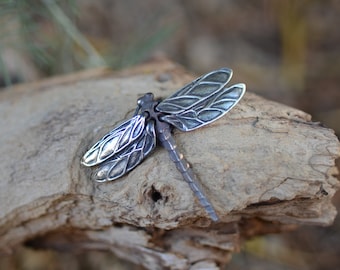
{"x": 284, "y": 50}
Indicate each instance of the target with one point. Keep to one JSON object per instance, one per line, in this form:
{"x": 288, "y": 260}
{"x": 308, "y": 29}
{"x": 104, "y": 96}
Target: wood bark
{"x": 266, "y": 167}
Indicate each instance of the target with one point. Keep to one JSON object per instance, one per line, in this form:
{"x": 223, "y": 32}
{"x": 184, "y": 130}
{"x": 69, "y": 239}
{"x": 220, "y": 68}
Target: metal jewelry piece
{"x": 197, "y": 104}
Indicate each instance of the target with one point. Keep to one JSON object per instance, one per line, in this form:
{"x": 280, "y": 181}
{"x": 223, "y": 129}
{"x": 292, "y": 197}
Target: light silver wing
{"x": 193, "y": 93}
{"x": 115, "y": 141}
{"x": 199, "y": 103}
{"x": 129, "y": 158}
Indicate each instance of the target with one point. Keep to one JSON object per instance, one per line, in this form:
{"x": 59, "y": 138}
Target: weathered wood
{"x": 265, "y": 167}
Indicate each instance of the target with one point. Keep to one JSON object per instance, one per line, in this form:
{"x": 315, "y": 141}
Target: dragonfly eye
{"x": 147, "y": 98}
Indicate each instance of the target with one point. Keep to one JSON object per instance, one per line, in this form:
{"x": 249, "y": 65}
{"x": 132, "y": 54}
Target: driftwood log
{"x": 265, "y": 167}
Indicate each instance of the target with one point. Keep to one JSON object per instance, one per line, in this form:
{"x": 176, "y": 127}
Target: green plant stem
{"x": 94, "y": 58}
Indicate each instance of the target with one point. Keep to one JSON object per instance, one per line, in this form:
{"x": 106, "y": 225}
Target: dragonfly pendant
{"x": 195, "y": 105}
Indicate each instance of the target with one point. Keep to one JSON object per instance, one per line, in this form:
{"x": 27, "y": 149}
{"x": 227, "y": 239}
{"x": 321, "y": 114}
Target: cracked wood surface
{"x": 265, "y": 167}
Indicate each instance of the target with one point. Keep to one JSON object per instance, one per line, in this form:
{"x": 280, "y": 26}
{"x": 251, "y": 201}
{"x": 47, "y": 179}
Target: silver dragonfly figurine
{"x": 195, "y": 105}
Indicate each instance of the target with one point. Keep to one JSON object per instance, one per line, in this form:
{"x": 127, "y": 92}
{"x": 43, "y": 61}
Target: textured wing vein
{"x": 201, "y": 89}
{"x": 128, "y": 158}
{"x": 115, "y": 141}
{"x": 207, "y": 110}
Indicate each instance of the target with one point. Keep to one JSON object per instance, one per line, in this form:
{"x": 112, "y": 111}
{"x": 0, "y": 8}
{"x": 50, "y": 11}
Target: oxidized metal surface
{"x": 197, "y": 104}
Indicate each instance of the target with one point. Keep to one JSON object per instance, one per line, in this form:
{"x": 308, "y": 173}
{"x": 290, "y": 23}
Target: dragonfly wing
{"x": 128, "y": 158}
{"x": 115, "y": 141}
{"x": 196, "y": 91}
{"x": 207, "y": 110}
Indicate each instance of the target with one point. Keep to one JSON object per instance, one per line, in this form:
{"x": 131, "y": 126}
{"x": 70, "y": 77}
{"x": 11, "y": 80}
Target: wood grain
{"x": 264, "y": 163}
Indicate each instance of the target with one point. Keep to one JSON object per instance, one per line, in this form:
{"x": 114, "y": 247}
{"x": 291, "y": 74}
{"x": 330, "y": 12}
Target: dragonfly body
{"x": 195, "y": 105}
{"x": 168, "y": 142}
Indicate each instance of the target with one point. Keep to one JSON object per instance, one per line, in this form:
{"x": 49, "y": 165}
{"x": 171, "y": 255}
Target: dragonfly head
{"x": 146, "y": 105}
{"x": 145, "y": 100}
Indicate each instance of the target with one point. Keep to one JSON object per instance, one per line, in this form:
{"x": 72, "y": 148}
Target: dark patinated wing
{"x": 195, "y": 92}
{"x": 115, "y": 141}
{"x": 207, "y": 110}
{"x": 202, "y": 101}
{"x": 128, "y": 158}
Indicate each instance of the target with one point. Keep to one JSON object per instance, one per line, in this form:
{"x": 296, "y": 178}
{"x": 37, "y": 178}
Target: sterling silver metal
{"x": 195, "y": 105}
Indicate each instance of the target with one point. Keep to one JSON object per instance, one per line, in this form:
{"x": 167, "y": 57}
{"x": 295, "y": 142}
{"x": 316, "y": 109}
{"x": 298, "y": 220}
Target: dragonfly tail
{"x": 164, "y": 135}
